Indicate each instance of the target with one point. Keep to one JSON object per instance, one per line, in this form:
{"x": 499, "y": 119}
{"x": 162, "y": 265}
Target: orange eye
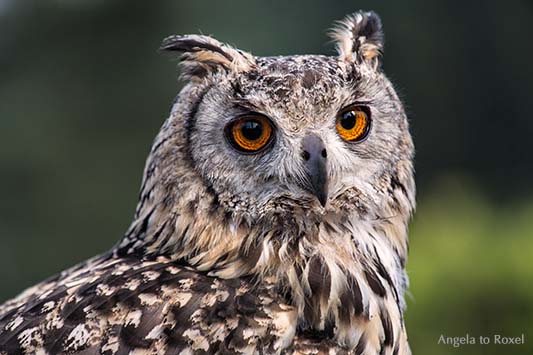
{"x": 353, "y": 123}
{"x": 250, "y": 134}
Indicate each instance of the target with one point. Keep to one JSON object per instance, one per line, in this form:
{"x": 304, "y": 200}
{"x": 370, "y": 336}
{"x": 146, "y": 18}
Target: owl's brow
{"x": 245, "y": 106}
{"x": 355, "y": 101}
{"x": 239, "y": 99}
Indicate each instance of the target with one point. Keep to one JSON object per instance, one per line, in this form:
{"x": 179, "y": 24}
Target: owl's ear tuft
{"x": 359, "y": 38}
{"x": 202, "y": 55}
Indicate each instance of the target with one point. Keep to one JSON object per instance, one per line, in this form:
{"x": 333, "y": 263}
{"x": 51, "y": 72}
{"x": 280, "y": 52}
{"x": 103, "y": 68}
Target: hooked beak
{"x": 315, "y": 156}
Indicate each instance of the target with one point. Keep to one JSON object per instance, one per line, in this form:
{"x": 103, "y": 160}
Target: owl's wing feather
{"x": 114, "y": 306}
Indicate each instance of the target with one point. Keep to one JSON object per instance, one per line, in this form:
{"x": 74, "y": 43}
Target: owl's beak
{"x": 315, "y": 157}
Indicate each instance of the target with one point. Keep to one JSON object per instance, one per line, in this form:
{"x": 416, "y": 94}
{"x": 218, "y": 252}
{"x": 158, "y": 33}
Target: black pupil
{"x": 252, "y": 130}
{"x": 348, "y": 120}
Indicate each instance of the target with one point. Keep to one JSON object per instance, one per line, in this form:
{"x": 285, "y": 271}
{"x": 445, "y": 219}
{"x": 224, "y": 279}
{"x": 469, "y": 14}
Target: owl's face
{"x": 306, "y": 136}
{"x": 307, "y": 131}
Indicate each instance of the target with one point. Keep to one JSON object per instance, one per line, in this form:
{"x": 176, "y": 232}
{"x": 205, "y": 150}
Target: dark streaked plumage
{"x": 296, "y": 248}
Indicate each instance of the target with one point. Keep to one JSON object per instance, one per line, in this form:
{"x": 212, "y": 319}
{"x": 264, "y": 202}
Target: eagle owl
{"x": 272, "y": 217}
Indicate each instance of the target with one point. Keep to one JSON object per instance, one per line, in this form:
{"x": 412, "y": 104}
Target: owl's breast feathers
{"x": 128, "y": 305}
{"x": 112, "y": 306}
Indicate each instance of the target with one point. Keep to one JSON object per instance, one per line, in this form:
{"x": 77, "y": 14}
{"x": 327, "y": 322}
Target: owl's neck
{"x": 344, "y": 274}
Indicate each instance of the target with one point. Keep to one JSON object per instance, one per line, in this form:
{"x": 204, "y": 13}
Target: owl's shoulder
{"x": 113, "y": 306}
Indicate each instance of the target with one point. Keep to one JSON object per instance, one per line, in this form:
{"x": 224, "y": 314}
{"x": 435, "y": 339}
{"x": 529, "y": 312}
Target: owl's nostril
{"x": 306, "y": 155}
{"x": 324, "y": 153}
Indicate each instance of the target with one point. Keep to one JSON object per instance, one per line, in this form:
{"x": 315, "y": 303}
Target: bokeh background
{"x": 83, "y": 92}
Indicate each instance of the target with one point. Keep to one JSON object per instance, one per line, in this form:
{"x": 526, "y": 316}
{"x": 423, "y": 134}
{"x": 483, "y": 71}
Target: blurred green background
{"x": 83, "y": 92}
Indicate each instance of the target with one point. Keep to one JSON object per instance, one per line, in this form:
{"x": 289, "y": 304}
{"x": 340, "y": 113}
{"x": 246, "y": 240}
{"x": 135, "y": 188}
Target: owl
{"x": 272, "y": 217}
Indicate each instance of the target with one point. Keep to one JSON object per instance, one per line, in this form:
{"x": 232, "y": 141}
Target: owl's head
{"x": 281, "y": 145}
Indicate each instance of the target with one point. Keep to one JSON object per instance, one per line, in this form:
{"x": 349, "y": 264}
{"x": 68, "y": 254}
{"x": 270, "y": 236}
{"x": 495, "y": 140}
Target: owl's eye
{"x": 249, "y": 134}
{"x": 353, "y": 123}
